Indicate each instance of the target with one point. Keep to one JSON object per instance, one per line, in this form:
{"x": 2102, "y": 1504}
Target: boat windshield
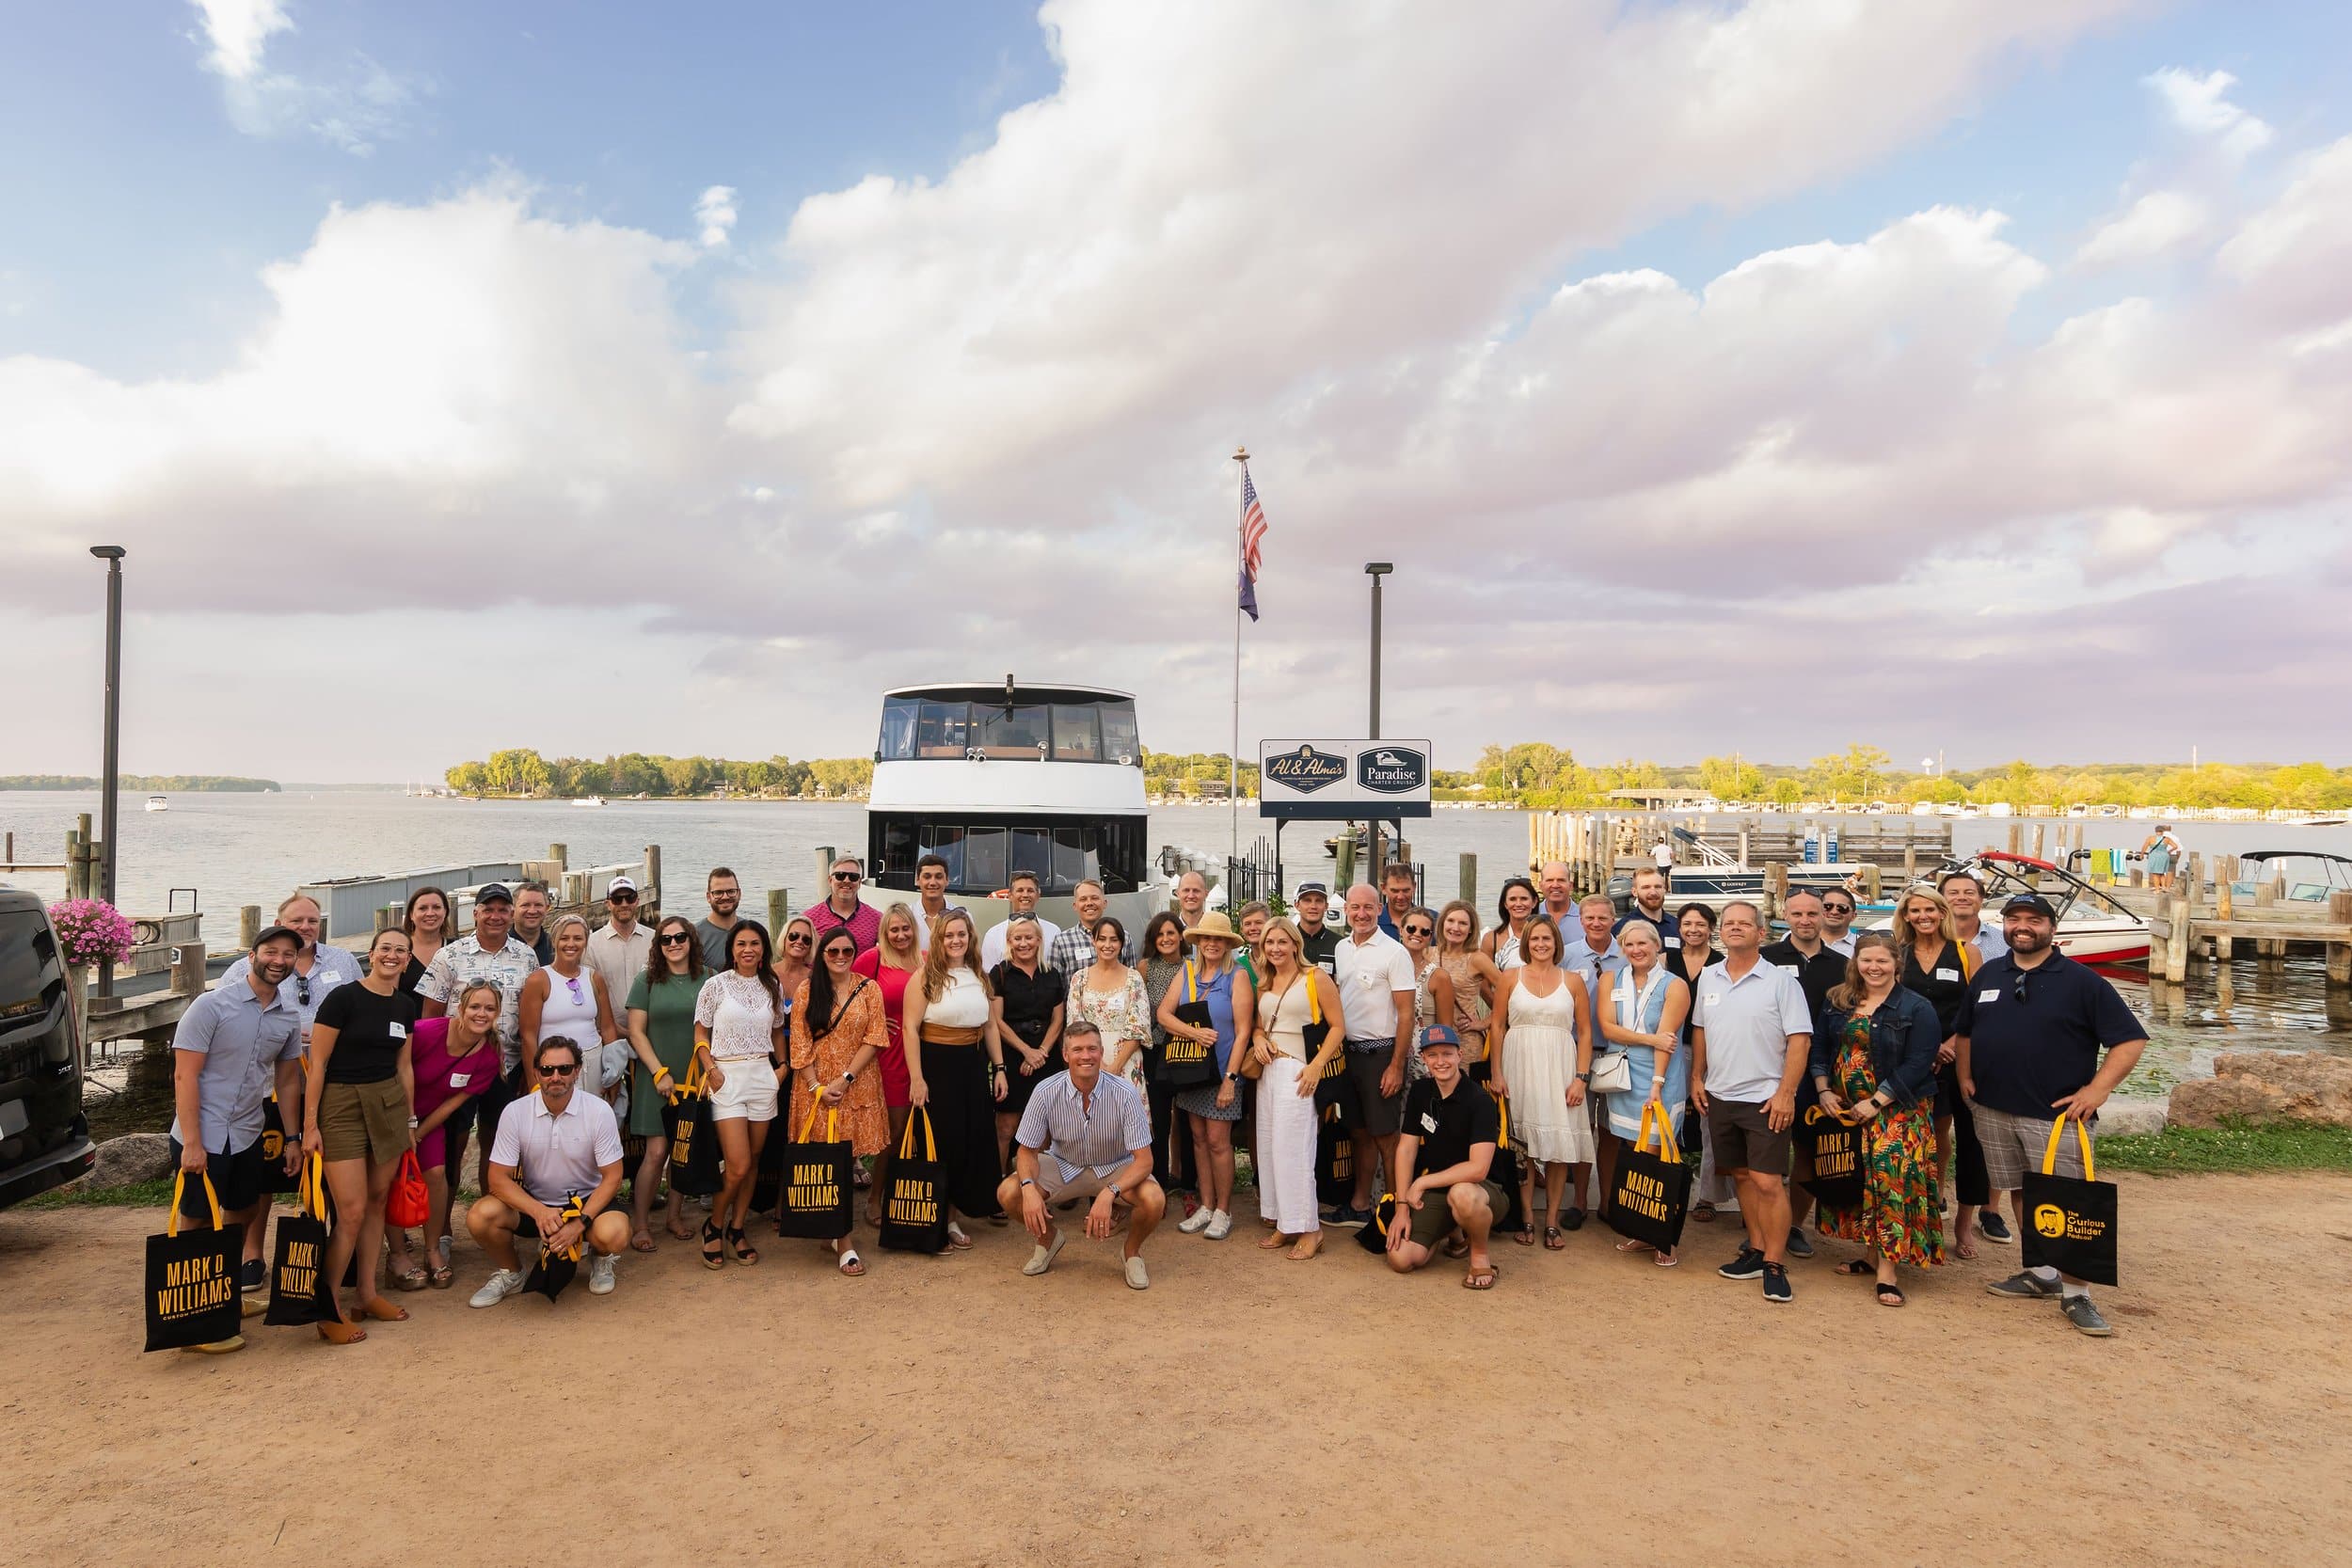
{"x": 946, "y": 729}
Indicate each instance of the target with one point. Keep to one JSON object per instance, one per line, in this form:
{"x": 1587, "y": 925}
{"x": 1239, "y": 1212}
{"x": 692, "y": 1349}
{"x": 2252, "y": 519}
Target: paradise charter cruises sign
{"x": 1338, "y": 780}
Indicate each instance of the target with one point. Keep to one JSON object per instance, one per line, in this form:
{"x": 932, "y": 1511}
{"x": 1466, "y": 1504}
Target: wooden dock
{"x": 1597, "y": 847}
{"x": 2204, "y": 915}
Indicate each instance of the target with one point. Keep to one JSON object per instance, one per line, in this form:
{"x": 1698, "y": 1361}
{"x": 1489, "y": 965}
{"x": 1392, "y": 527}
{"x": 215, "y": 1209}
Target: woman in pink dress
{"x": 455, "y": 1059}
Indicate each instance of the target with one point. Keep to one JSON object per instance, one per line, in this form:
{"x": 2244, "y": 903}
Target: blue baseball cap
{"x": 1439, "y": 1034}
{"x": 1315, "y": 888}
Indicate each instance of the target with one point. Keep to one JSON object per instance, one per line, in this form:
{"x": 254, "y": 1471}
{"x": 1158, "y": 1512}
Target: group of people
{"x": 1053, "y": 1066}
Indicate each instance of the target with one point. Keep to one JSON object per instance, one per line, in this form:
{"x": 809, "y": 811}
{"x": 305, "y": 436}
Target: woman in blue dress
{"x": 1641, "y": 1009}
{"x": 1211, "y": 977}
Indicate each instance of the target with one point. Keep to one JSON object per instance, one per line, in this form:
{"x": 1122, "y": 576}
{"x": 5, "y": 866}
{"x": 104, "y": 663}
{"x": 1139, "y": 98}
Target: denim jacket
{"x": 1904, "y": 1036}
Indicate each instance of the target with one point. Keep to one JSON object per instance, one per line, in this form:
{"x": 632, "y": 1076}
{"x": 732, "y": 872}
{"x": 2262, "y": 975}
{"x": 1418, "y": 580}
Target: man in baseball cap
{"x": 618, "y": 949}
{"x": 1447, "y": 1143}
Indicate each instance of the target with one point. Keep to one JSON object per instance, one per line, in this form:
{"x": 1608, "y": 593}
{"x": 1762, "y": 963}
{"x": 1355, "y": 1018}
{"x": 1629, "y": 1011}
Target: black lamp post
{"x": 1376, "y": 570}
{"x": 112, "y": 555}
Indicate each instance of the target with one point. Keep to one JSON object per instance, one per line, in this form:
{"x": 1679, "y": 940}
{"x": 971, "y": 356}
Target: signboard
{"x": 1337, "y": 781}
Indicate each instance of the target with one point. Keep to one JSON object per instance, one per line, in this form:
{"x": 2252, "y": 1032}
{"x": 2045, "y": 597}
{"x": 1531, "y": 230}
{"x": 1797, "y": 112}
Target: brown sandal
{"x": 384, "y": 1311}
{"x": 1482, "y": 1279}
{"x": 341, "y": 1333}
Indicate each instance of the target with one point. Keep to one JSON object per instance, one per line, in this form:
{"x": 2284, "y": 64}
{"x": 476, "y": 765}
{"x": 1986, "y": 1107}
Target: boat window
{"x": 1074, "y": 857}
{"x": 1078, "y": 735}
{"x": 983, "y": 868}
{"x": 942, "y": 729}
{"x": 898, "y": 730}
{"x": 1121, "y": 743}
{"x": 1014, "y": 733}
{"x": 1033, "y": 851}
{"x": 936, "y": 839}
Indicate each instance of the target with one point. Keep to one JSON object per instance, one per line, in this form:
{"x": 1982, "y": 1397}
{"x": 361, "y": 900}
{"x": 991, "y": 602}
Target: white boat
{"x": 589, "y": 801}
{"x": 1008, "y": 777}
{"x": 2092, "y": 928}
{"x": 156, "y": 803}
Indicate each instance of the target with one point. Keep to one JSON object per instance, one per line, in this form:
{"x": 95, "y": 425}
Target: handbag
{"x": 1834, "y": 1145}
{"x": 1372, "y": 1235}
{"x": 1649, "y": 1195}
{"x": 409, "y": 1203}
{"x": 2070, "y": 1221}
{"x": 1612, "y": 1073}
{"x": 273, "y": 1177}
{"x": 1184, "y": 1062}
{"x": 914, "y": 1209}
{"x": 1335, "y": 1160}
{"x": 300, "y": 1292}
{"x": 694, "y": 1144}
{"x": 817, "y": 1199}
{"x": 192, "y": 1296}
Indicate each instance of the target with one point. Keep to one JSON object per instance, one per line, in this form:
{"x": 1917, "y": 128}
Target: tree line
{"x": 155, "y": 784}
{"x": 519, "y": 771}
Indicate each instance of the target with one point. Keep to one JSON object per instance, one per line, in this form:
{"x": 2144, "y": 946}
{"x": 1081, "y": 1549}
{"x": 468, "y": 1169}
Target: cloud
{"x": 239, "y": 31}
{"x": 714, "y": 214}
{"x": 2197, "y": 106}
{"x": 2155, "y": 225}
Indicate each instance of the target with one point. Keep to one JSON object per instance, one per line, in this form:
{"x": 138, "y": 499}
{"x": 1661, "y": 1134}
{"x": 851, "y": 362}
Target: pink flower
{"x": 92, "y": 931}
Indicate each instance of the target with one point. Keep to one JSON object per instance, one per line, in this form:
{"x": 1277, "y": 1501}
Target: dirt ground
{"x": 1247, "y": 1409}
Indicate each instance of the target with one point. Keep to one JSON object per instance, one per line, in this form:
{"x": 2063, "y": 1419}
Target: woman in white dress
{"x": 1547, "y": 1062}
{"x": 567, "y": 998}
{"x": 1292, "y": 999}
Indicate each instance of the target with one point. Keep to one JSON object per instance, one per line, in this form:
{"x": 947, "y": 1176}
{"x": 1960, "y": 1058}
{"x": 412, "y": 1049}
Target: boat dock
{"x": 1598, "y": 847}
{"x": 2207, "y": 913}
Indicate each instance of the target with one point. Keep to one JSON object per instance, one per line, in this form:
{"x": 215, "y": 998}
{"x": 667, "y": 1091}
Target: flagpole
{"x": 1232, "y": 758}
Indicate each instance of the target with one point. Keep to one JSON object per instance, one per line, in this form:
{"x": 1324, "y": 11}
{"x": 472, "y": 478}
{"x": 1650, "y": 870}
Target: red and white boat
{"x": 2092, "y": 928}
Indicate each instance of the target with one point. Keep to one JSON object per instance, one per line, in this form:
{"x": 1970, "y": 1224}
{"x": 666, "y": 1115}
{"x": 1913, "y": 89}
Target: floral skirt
{"x": 1902, "y": 1213}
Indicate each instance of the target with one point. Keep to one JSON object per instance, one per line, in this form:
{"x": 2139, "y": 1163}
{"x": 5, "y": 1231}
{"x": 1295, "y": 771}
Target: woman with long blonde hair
{"x": 956, "y": 1067}
{"x": 1937, "y": 965}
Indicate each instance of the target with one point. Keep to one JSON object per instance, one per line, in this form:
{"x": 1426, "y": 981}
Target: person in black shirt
{"x": 362, "y": 1119}
{"x": 1937, "y": 966}
{"x": 1028, "y": 996}
{"x": 1818, "y": 969}
{"x": 1448, "y": 1131}
{"x": 1319, "y": 943}
{"x": 531, "y": 920}
{"x": 2031, "y": 1028}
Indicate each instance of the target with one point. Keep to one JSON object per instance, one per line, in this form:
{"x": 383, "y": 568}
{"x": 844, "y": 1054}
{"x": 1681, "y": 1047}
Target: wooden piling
{"x": 561, "y": 854}
{"x": 1870, "y": 883}
{"x": 1345, "y": 870}
{"x": 2269, "y": 949}
{"x": 2340, "y": 953}
{"x": 2016, "y": 838}
{"x": 2224, "y": 904}
{"x": 2176, "y": 950}
{"x": 188, "y": 969}
{"x": 2040, "y": 831}
{"x": 649, "y": 895}
{"x": 1465, "y": 879}
{"x": 249, "y": 926}
{"x": 1911, "y": 864}
{"x": 1775, "y": 890}
{"x": 779, "y": 911}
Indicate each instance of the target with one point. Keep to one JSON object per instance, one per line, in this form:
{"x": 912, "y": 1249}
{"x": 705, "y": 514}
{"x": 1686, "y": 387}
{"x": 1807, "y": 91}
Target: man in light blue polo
{"x": 1750, "y": 1034}
{"x": 231, "y": 1042}
{"x": 1084, "y": 1133}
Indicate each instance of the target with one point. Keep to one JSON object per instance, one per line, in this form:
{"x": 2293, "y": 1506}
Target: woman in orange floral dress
{"x": 837, "y": 1031}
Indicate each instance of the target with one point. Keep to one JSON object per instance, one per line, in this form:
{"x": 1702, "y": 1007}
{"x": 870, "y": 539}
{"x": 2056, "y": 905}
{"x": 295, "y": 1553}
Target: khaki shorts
{"x": 364, "y": 1121}
{"x": 1435, "y": 1216}
{"x": 1084, "y": 1184}
{"x": 2014, "y": 1144}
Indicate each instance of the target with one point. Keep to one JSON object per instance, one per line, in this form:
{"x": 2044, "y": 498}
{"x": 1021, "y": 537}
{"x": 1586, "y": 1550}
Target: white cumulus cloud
{"x": 2197, "y": 106}
{"x": 239, "y": 31}
{"x": 2155, "y": 225}
{"x": 715, "y": 214}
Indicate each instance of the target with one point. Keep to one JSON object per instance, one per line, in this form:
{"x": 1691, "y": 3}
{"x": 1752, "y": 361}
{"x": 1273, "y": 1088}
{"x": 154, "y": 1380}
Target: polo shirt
{"x": 993, "y": 945}
{"x": 863, "y": 922}
{"x": 1571, "y": 927}
{"x": 1748, "y": 1022}
{"x": 329, "y": 967}
{"x": 1448, "y": 1125}
{"x": 619, "y": 960}
{"x": 1580, "y": 960}
{"x": 242, "y": 1040}
{"x": 2025, "y": 1053}
{"x": 1369, "y": 974}
{"x": 1669, "y": 928}
{"x": 542, "y": 947}
{"x": 1388, "y": 922}
{"x": 1073, "y": 952}
{"x": 1098, "y": 1133}
{"x": 1322, "y": 948}
{"x": 460, "y": 963}
{"x": 555, "y": 1156}
{"x": 1817, "y": 974}
{"x": 1989, "y": 942}
{"x": 1843, "y": 944}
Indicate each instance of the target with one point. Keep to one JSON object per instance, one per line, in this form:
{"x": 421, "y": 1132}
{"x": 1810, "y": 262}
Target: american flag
{"x": 1253, "y": 538}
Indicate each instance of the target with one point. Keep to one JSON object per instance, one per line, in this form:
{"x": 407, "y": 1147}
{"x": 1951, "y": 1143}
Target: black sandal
{"x": 744, "y": 1254}
{"x": 1890, "y": 1295}
{"x": 1856, "y": 1267}
{"x": 1526, "y": 1234}
{"x": 714, "y": 1252}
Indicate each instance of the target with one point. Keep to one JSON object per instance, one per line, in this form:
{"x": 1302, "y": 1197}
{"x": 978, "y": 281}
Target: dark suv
{"x": 45, "y": 1139}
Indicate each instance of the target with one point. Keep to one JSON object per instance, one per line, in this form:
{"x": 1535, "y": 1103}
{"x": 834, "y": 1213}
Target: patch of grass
{"x": 2233, "y": 1149}
{"x": 139, "y": 1194}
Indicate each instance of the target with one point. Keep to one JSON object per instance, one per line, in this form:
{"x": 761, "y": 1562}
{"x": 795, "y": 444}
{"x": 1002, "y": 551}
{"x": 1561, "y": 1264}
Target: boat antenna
{"x": 1008, "y": 694}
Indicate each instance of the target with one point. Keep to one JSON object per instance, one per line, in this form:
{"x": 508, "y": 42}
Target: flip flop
{"x": 1890, "y": 1295}
{"x": 850, "y": 1264}
{"x": 958, "y": 1240}
{"x": 1457, "y": 1247}
{"x": 1482, "y": 1279}
{"x": 1554, "y": 1241}
{"x": 1525, "y": 1235}
{"x": 1666, "y": 1259}
{"x": 1703, "y": 1213}
{"x": 1635, "y": 1246}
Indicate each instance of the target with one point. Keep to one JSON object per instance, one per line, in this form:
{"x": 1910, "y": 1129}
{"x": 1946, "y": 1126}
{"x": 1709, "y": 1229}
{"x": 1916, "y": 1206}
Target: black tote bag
{"x": 192, "y": 1294}
{"x": 1504, "y": 1171}
{"x": 554, "y": 1270}
{"x": 914, "y": 1209}
{"x": 1373, "y": 1236}
{"x": 1185, "y": 1063}
{"x": 818, "y": 1200}
{"x": 693, "y": 1146}
{"x": 1649, "y": 1193}
{"x": 1335, "y": 1160}
{"x": 273, "y": 1177}
{"x": 299, "y": 1291}
{"x": 1834, "y": 1145}
{"x": 2070, "y": 1221}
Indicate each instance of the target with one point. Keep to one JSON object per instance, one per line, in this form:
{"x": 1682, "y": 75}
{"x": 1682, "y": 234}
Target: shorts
{"x": 1379, "y": 1115}
{"x": 749, "y": 1093}
{"x": 1084, "y": 1184}
{"x": 1744, "y": 1140}
{"x": 2013, "y": 1145}
{"x": 364, "y": 1121}
{"x": 236, "y": 1180}
{"x": 1435, "y": 1216}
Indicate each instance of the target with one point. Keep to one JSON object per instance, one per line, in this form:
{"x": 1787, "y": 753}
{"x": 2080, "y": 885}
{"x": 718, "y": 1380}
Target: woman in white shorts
{"x": 738, "y": 1041}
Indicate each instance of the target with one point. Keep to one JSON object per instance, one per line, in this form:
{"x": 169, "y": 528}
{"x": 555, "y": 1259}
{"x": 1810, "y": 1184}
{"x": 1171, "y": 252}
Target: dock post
{"x": 2224, "y": 904}
{"x": 2016, "y": 838}
{"x": 2340, "y": 953}
{"x": 249, "y": 926}
{"x": 188, "y": 969}
{"x": 824, "y": 857}
{"x": 1775, "y": 890}
{"x": 650, "y": 894}
{"x": 2040, "y": 831}
{"x": 1911, "y": 862}
{"x": 779, "y": 911}
{"x": 1743, "y": 845}
{"x": 2268, "y": 896}
{"x": 2176, "y": 951}
{"x": 2192, "y": 882}
{"x": 561, "y": 854}
{"x": 1344, "y": 857}
{"x": 1870, "y": 880}
{"x": 1465, "y": 879}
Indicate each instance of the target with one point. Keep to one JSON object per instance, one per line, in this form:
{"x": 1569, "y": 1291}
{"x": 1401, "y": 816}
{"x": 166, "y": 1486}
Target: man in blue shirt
{"x": 2031, "y": 1029}
{"x": 1085, "y": 1134}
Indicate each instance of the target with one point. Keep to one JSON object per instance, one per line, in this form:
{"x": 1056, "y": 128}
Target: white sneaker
{"x": 1042, "y": 1257}
{"x": 1138, "y": 1277}
{"x": 1220, "y": 1226}
{"x": 602, "y": 1275}
{"x": 501, "y": 1283}
{"x": 1198, "y": 1220}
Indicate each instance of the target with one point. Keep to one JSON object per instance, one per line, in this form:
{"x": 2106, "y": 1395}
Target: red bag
{"x": 409, "y": 1205}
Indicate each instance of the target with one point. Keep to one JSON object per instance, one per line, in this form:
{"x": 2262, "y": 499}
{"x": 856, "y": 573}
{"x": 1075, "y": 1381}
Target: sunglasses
{"x": 676, "y": 939}
{"x": 559, "y": 1070}
{"x": 302, "y": 989}
{"x": 573, "y": 982}
{"x": 2017, "y": 988}
{"x": 796, "y": 939}
{"x": 1417, "y": 931}
{"x": 620, "y": 898}
{"x": 842, "y": 950}
{"x": 848, "y": 877}
{"x": 1838, "y": 908}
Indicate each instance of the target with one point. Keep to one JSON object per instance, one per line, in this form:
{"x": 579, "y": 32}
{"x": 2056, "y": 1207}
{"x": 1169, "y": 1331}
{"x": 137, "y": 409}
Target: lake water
{"x": 235, "y": 849}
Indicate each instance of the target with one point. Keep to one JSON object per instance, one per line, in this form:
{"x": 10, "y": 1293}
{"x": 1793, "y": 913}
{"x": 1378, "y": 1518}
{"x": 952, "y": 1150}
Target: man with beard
{"x": 723, "y": 893}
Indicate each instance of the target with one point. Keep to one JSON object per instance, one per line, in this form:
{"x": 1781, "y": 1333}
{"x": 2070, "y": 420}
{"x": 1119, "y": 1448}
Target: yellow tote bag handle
{"x": 178, "y": 1183}
{"x": 833, "y": 1121}
{"x": 1192, "y": 984}
{"x": 906, "y": 1139}
{"x": 2082, "y": 1135}
{"x": 1654, "y": 1115}
{"x": 1315, "y": 1002}
{"x": 311, "y": 1198}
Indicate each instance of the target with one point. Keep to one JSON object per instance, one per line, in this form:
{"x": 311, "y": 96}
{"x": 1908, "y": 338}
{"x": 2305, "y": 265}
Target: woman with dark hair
{"x": 956, "y": 1067}
{"x": 738, "y": 1037}
{"x": 660, "y": 1012}
{"x": 837, "y": 1031}
{"x": 1161, "y": 962}
{"x": 1542, "y": 1070}
{"x": 425, "y": 918}
{"x": 1111, "y": 996}
{"x": 1511, "y": 908}
{"x": 363, "y": 1120}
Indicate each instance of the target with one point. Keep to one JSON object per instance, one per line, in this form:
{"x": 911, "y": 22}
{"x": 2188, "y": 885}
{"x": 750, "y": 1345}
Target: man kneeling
{"x": 1448, "y": 1141}
{"x": 549, "y": 1147}
{"x": 1083, "y": 1135}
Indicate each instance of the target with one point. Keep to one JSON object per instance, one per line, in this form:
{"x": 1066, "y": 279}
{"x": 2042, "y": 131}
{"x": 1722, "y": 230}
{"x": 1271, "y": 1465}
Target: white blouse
{"x": 963, "y": 1005}
{"x": 741, "y": 1018}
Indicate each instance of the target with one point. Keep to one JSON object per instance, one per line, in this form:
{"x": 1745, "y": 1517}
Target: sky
{"x": 1963, "y": 377}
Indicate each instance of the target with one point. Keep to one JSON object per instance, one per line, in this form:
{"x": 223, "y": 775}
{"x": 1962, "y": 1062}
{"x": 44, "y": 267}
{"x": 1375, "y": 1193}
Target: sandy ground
{"x": 1246, "y": 1409}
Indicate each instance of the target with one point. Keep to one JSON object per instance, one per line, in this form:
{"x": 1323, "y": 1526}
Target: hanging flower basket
{"x": 91, "y": 931}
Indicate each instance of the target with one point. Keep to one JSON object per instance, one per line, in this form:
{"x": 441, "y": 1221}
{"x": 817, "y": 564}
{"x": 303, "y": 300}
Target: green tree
{"x": 1728, "y": 779}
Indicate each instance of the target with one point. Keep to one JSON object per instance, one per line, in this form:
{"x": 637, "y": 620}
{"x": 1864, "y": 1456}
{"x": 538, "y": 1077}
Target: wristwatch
{"x": 1029, "y": 1181}
{"x": 1233, "y": 1078}
{"x": 1583, "y": 1077}
{"x": 848, "y": 1077}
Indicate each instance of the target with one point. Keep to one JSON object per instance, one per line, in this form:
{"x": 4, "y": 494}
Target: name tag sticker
{"x": 1428, "y": 1122}
{"x": 1710, "y": 999}
{"x": 1948, "y": 973}
{"x": 459, "y": 1080}
{"x": 1793, "y": 969}
{"x": 1992, "y": 995}
{"x": 1673, "y": 942}
{"x": 399, "y": 1031}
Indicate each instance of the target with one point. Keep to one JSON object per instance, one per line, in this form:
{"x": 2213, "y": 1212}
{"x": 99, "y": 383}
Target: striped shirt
{"x": 1100, "y": 1138}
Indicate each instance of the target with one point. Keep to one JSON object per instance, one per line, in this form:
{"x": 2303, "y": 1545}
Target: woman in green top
{"x": 661, "y": 1010}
